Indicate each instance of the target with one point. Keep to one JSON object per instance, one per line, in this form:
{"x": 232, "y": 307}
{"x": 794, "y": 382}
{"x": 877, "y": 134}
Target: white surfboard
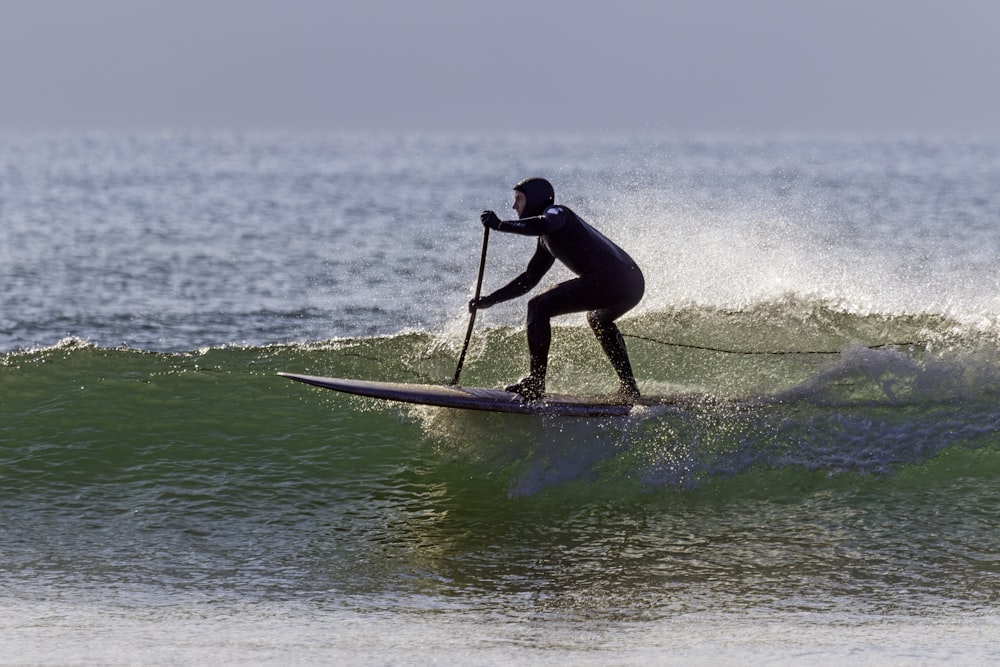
{"x": 490, "y": 400}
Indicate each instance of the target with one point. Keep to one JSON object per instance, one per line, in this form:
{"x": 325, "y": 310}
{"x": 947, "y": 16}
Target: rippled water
{"x": 167, "y": 497}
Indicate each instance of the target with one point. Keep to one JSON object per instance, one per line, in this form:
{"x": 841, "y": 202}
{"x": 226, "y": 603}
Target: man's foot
{"x": 530, "y": 388}
{"x": 628, "y": 391}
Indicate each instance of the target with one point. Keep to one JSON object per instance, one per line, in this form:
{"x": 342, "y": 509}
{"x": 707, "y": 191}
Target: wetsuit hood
{"x": 538, "y": 194}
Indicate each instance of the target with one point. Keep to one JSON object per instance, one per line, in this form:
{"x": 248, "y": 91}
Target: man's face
{"x": 520, "y": 201}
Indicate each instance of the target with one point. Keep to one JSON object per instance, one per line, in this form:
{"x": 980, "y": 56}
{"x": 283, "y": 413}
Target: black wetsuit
{"x": 608, "y": 284}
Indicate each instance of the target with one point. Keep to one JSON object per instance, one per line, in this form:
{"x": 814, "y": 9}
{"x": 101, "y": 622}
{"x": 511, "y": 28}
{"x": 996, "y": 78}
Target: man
{"x": 608, "y": 282}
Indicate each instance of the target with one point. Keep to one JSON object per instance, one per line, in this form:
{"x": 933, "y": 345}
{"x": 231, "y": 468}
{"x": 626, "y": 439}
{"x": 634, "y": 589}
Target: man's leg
{"x": 577, "y": 296}
{"x": 571, "y": 296}
{"x": 613, "y": 344}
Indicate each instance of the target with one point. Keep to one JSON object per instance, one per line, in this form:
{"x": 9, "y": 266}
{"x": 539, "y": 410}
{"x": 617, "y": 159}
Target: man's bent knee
{"x": 599, "y": 323}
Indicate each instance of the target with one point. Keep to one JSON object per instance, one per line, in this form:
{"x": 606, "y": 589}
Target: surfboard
{"x": 481, "y": 398}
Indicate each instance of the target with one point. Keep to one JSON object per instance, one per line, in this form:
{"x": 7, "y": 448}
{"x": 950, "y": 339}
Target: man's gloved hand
{"x": 489, "y": 219}
{"x": 479, "y": 304}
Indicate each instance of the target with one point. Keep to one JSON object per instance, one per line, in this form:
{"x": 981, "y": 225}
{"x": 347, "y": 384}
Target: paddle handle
{"x": 472, "y": 315}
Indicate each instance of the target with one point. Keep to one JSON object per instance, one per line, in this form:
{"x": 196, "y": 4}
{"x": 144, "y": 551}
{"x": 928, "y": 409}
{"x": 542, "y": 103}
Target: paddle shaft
{"x": 472, "y": 315}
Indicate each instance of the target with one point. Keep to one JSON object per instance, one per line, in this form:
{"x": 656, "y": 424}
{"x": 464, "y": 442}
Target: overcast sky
{"x": 928, "y": 67}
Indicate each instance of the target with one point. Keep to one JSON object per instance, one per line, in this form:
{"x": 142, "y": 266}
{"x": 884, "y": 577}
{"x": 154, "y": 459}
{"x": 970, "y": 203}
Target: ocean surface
{"x": 829, "y": 494}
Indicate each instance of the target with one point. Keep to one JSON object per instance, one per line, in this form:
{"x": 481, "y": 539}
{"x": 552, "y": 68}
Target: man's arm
{"x": 539, "y": 265}
{"x": 539, "y": 225}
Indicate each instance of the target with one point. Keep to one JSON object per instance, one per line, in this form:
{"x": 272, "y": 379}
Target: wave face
{"x": 829, "y": 391}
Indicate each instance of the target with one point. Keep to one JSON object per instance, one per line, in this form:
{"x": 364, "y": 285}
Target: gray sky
{"x": 927, "y": 67}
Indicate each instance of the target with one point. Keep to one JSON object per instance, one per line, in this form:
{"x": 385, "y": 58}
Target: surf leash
{"x": 706, "y": 348}
{"x": 472, "y": 315}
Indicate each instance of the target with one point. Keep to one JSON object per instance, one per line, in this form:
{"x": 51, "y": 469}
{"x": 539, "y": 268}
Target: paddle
{"x": 472, "y": 315}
